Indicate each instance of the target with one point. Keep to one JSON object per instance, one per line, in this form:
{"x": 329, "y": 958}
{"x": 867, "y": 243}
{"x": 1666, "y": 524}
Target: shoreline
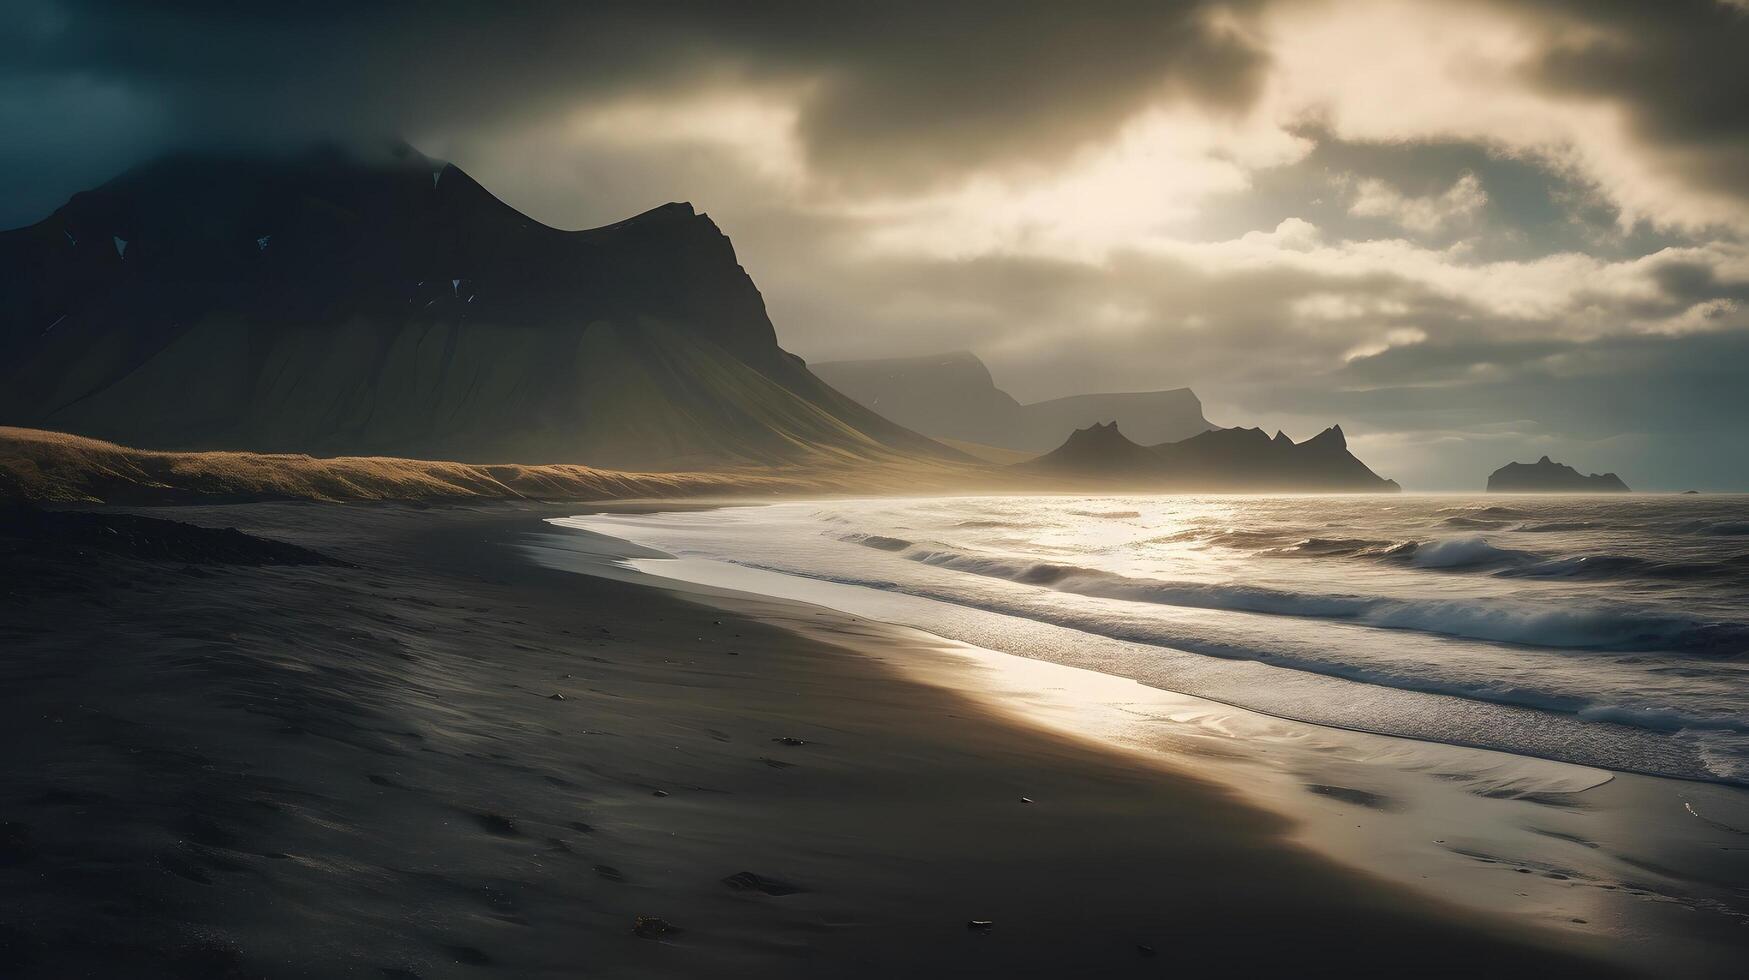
{"x": 360, "y": 770}
{"x": 1111, "y": 632}
{"x": 1515, "y": 836}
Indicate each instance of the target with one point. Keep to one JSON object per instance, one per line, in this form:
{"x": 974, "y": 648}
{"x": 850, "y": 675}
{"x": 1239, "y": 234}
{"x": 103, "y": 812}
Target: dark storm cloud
{"x": 1678, "y": 66}
{"x": 932, "y": 88}
{"x": 894, "y": 92}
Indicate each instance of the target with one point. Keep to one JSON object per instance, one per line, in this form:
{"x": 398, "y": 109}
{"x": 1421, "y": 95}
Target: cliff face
{"x": 330, "y": 304}
{"x": 953, "y": 396}
{"x": 1547, "y": 476}
{"x": 1221, "y": 460}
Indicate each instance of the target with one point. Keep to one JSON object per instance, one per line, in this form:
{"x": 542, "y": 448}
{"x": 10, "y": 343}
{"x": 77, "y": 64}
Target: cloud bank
{"x": 1469, "y": 230}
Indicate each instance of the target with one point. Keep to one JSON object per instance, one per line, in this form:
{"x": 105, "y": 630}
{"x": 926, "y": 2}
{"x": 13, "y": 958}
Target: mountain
{"x": 337, "y": 303}
{"x": 1221, "y": 460}
{"x": 1097, "y": 450}
{"x": 1547, "y": 476}
{"x": 952, "y": 396}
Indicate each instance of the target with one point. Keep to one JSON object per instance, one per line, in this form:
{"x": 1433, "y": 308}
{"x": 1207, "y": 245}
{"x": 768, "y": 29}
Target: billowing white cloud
{"x": 1567, "y": 294}
{"x": 1148, "y": 183}
{"x": 1375, "y": 198}
{"x": 1386, "y": 70}
{"x": 758, "y": 129}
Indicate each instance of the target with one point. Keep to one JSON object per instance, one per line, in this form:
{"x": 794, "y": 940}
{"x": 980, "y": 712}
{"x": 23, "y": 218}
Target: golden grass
{"x": 57, "y": 467}
{"x": 995, "y": 455}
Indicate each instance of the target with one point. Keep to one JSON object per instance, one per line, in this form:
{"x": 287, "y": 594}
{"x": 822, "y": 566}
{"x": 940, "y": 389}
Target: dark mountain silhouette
{"x": 1547, "y": 476}
{"x": 1099, "y": 449}
{"x": 952, "y": 396}
{"x": 1229, "y": 460}
{"x": 332, "y": 303}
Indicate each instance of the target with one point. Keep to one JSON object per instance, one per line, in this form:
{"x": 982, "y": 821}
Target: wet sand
{"x": 442, "y": 760}
{"x": 1649, "y": 868}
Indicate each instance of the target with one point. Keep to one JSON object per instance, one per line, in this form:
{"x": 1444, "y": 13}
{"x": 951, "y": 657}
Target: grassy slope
{"x": 989, "y": 454}
{"x": 56, "y": 467}
{"x": 650, "y": 397}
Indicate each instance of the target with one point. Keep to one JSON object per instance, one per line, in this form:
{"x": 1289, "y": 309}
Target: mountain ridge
{"x": 954, "y": 396}
{"x": 1220, "y": 460}
{"x": 324, "y": 303}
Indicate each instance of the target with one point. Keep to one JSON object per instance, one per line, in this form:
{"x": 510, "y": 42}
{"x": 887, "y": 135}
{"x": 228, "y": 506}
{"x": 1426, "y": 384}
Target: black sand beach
{"x": 432, "y": 758}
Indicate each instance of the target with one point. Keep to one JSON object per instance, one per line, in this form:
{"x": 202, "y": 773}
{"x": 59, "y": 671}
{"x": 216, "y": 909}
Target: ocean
{"x": 1603, "y": 631}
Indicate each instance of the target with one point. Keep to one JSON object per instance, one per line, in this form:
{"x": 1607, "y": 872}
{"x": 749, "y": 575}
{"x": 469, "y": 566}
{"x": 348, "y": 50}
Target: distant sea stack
{"x": 1221, "y": 460}
{"x": 953, "y": 396}
{"x": 338, "y": 302}
{"x": 1547, "y": 476}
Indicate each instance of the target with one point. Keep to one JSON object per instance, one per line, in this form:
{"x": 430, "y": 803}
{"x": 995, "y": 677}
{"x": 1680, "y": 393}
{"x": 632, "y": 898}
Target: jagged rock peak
{"x": 1331, "y": 438}
{"x": 1236, "y": 459}
{"x": 1098, "y": 432}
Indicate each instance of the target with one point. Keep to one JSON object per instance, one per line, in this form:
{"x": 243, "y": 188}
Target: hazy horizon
{"x": 1469, "y": 232}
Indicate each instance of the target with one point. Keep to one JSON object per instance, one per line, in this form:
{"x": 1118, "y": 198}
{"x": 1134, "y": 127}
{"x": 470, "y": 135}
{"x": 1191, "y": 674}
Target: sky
{"x": 1470, "y": 231}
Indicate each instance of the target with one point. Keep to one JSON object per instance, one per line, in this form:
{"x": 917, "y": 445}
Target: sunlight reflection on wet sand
{"x": 1572, "y": 847}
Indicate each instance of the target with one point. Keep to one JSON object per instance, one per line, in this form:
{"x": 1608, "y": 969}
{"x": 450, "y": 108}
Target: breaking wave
{"x": 1628, "y": 616}
{"x": 1600, "y": 626}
